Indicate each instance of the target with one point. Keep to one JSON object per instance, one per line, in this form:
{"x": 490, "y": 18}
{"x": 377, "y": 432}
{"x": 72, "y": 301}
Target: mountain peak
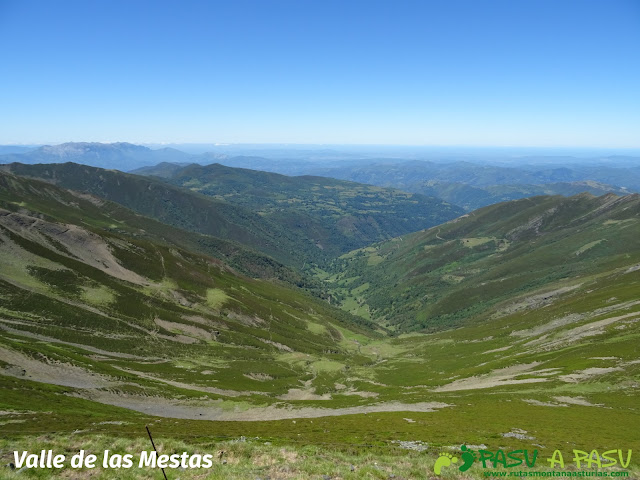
{"x": 79, "y": 149}
{"x": 119, "y": 155}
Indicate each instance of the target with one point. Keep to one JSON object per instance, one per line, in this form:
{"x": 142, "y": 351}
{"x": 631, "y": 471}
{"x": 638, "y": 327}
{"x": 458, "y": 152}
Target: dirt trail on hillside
{"x": 572, "y": 318}
{"x": 88, "y": 348}
{"x": 77, "y": 243}
{"x": 49, "y": 371}
{"x": 496, "y": 378}
{"x": 189, "y": 386}
{"x": 537, "y": 300}
{"x": 578, "y": 333}
{"x": 304, "y": 394}
{"x": 213, "y": 410}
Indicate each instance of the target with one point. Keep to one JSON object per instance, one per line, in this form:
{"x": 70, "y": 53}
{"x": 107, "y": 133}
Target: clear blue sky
{"x": 516, "y": 72}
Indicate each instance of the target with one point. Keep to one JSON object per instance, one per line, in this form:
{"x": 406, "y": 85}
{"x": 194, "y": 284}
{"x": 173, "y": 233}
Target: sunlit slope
{"x": 553, "y": 368}
{"x": 449, "y": 274}
{"x": 110, "y": 314}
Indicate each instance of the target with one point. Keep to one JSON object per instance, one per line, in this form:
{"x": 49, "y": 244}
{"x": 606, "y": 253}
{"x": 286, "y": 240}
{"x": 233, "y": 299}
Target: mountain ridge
{"x": 168, "y": 204}
{"x": 120, "y": 155}
{"x": 311, "y": 221}
{"x": 327, "y": 210}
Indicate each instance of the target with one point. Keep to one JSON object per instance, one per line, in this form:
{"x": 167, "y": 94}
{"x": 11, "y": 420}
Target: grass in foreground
{"x": 250, "y": 459}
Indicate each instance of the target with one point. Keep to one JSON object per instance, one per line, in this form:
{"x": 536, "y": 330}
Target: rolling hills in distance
{"x": 467, "y": 182}
{"x": 470, "y": 197}
{"x": 297, "y": 220}
{"x": 472, "y": 185}
{"x": 179, "y": 299}
{"x": 335, "y": 214}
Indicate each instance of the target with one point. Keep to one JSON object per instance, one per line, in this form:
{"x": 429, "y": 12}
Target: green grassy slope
{"x": 440, "y": 277}
{"x": 107, "y": 309}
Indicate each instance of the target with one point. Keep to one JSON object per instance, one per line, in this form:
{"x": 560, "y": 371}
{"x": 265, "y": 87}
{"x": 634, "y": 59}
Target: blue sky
{"x": 512, "y": 73}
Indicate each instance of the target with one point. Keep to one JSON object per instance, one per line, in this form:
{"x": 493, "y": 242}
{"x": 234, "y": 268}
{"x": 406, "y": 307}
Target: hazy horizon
{"x": 395, "y": 150}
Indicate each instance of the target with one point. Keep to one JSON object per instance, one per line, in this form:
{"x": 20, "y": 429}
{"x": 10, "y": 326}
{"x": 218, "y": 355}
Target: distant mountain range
{"x": 122, "y": 156}
{"x": 471, "y": 185}
{"x": 465, "y": 183}
{"x": 471, "y": 197}
{"x": 407, "y": 174}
